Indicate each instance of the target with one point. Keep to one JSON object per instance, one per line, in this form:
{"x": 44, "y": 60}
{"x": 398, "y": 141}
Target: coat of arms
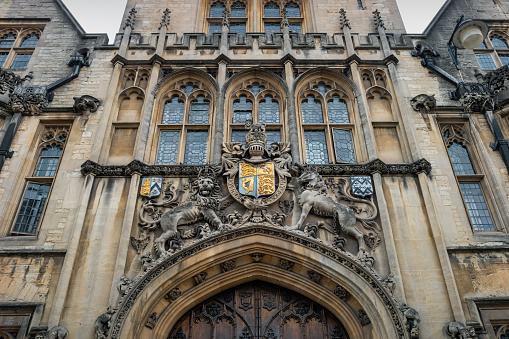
{"x": 257, "y": 180}
{"x": 362, "y": 185}
{"x": 151, "y": 187}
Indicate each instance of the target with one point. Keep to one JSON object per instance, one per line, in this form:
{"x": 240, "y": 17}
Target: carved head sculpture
{"x": 206, "y": 182}
{"x": 256, "y": 139}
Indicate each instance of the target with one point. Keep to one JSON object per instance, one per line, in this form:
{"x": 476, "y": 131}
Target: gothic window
{"x": 184, "y": 127}
{"x": 21, "y": 61}
{"x": 271, "y": 10}
{"x": 237, "y": 15}
{"x": 238, "y": 10}
{"x": 272, "y": 27}
{"x": 242, "y": 110}
{"x": 17, "y": 46}
{"x": 268, "y": 111}
{"x": 326, "y": 126}
{"x": 493, "y": 53}
{"x": 38, "y": 186}
{"x": 294, "y": 17}
{"x": 3, "y": 58}
{"x": 30, "y": 41}
{"x": 470, "y": 181}
{"x": 7, "y": 40}
{"x": 217, "y": 9}
{"x": 498, "y": 42}
{"x": 486, "y": 62}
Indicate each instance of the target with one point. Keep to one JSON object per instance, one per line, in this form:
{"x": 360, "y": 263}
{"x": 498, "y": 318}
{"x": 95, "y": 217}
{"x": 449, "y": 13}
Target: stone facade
{"x": 306, "y": 175}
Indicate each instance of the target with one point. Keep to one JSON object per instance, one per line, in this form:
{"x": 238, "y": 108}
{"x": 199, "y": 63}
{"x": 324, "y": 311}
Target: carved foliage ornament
{"x": 476, "y": 102}
{"x": 28, "y": 100}
{"x": 9, "y": 81}
{"x": 57, "y": 332}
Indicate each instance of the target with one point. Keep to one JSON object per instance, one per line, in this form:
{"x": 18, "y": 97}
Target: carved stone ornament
{"x": 28, "y": 100}
{"x": 139, "y": 244}
{"x": 378, "y": 19}
{"x": 173, "y": 295}
{"x": 476, "y": 102}
{"x": 458, "y": 330}
{"x": 57, "y": 332}
{"x": 390, "y": 283}
{"x": 315, "y": 276}
{"x": 362, "y": 185}
{"x": 200, "y": 277}
{"x": 228, "y": 266}
{"x": 363, "y": 318}
{"x": 257, "y": 256}
{"x": 341, "y": 293}
{"x": 85, "y": 103}
{"x": 129, "y": 22}
{"x": 413, "y": 320}
{"x": 9, "y": 81}
{"x": 285, "y": 265}
{"x": 151, "y": 321}
{"x": 102, "y": 325}
{"x": 343, "y": 21}
{"x": 165, "y": 21}
{"x": 424, "y": 103}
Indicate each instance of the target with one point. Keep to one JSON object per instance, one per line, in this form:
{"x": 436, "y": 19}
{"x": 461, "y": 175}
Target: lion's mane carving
{"x": 202, "y": 204}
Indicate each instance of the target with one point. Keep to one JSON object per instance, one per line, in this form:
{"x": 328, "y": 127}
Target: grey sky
{"x": 104, "y": 16}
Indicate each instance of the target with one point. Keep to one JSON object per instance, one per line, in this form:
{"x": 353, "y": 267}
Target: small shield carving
{"x": 362, "y": 185}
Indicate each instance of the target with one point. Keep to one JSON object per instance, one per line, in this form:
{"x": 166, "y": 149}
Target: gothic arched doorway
{"x": 258, "y": 310}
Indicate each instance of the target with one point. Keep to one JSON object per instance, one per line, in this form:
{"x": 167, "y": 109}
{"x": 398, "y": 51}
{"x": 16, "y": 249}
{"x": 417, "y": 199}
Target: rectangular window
{"x": 476, "y": 206}
{"x": 238, "y": 27}
{"x": 168, "y": 148}
{"x": 272, "y": 27}
{"x": 486, "y": 62}
{"x": 239, "y": 136}
{"x": 273, "y": 136}
{"x": 196, "y": 148}
{"x": 21, "y": 61}
{"x": 3, "y": 57}
{"x": 343, "y": 146}
{"x": 31, "y": 208}
{"x": 316, "y": 147}
{"x": 359, "y": 3}
{"x": 214, "y": 27}
{"x": 295, "y": 27}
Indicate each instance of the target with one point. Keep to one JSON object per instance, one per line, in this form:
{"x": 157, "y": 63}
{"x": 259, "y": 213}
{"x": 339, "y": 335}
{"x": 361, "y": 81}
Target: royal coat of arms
{"x": 257, "y": 180}
{"x": 151, "y": 187}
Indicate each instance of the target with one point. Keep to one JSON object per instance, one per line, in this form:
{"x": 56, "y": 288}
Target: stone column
{"x": 291, "y": 118}
{"x": 287, "y": 44}
{"x": 219, "y": 117}
{"x": 225, "y": 27}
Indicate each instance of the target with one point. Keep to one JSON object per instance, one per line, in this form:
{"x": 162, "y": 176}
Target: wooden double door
{"x": 258, "y": 310}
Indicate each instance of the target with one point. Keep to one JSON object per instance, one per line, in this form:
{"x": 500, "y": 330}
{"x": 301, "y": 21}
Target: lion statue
{"x": 201, "y": 206}
{"x": 314, "y": 198}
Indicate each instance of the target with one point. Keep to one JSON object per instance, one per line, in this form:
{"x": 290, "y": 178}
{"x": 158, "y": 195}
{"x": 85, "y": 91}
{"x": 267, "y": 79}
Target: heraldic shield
{"x": 257, "y": 180}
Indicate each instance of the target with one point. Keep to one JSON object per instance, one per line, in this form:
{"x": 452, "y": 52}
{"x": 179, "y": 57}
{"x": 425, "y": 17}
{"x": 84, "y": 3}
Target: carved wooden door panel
{"x": 258, "y": 310}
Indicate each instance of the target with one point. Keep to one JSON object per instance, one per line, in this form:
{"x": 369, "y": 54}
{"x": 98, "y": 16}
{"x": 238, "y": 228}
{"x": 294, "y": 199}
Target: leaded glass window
{"x": 238, "y": 10}
{"x": 7, "y": 40}
{"x": 238, "y": 27}
{"x": 255, "y": 88}
{"x": 3, "y": 57}
{"x": 214, "y": 27}
{"x": 271, "y": 10}
{"x": 31, "y": 209}
{"x": 476, "y": 206}
{"x": 486, "y": 62}
{"x": 242, "y": 110}
{"x": 268, "y": 112}
{"x": 504, "y": 58}
{"x": 173, "y": 112}
{"x": 292, "y": 10}
{"x": 272, "y": 27}
{"x": 498, "y": 43}
{"x": 322, "y": 87}
{"x": 196, "y": 148}
{"x": 460, "y": 159}
{"x": 21, "y": 61}
{"x": 338, "y": 111}
{"x": 273, "y": 136}
{"x": 199, "y": 111}
{"x": 48, "y": 161}
{"x": 239, "y": 136}
{"x": 316, "y": 147}
{"x": 168, "y": 147}
{"x": 217, "y": 9}
{"x": 343, "y": 146}
{"x": 295, "y": 27}
{"x": 312, "y": 110}
{"x": 188, "y": 88}
{"x": 30, "y": 41}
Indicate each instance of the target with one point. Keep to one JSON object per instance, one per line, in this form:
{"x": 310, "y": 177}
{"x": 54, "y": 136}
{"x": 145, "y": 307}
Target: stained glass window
{"x": 460, "y": 159}
{"x": 216, "y": 10}
{"x": 273, "y": 136}
{"x": 48, "y": 161}
{"x": 7, "y": 40}
{"x": 199, "y": 111}
{"x": 188, "y": 88}
{"x": 21, "y": 61}
{"x": 486, "y": 62}
{"x": 338, "y": 111}
{"x": 238, "y": 10}
{"x": 242, "y": 110}
{"x": 292, "y": 10}
{"x": 312, "y": 110}
{"x": 239, "y": 136}
{"x": 271, "y": 10}
{"x": 316, "y": 147}
{"x": 498, "y": 43}
{"x": 322, "y": 87}
{"x": 31, "y": 209}
{"x": 255, "y": 88}
{"x": 268, "y": 111}
{"x": 343, "y": 145}
{"x": 3, "y": 57}
{"x": 295, "y": 27}
{"x": 196, "y": 148}
{"x": 476, "y": 206}
{"x": 214, "y": 28}
{"x": 272, "y": 27}
{"x": 238, "y": 27}
{"x": 173, "y": 111}
{"x": 168, "y": 147}
{"x": 30, "y": 41}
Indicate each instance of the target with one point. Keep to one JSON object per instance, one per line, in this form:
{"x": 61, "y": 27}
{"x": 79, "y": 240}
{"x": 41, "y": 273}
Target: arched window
{"x": 217, "y": 9}
{"x": 268, "y": 112}
{"x": 238, "y": 10}
{"x": 199, "y": 111}
{"x": 312, "y": 112}
{"x": 7, "y": 40}
{"x": 188, "y": 88}
{"x": 498, "y": 42}
{"x": 322, "y": 87}
{"x": 30, "y": 41}
{"x": 271, "y": 10}
{"x": 173, "y": 112}
{"x": 292, "y": 10}
{"x": 460, "y": 159}
{"x": 242, "y": 110}
{"x": 338, "y": 111}
{"x": 255, "y": 88}
{"x": 48, "y": 161}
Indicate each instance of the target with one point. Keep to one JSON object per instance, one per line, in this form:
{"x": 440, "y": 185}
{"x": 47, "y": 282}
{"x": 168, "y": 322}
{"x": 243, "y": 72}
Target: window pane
{"x": 271, "y": 10}
{"x": 486, "y": 62}
{"x": 498, "y": 43}
{"x": 216, "y": 10}
{"x": 196, "y": 148}
{"x": 322, "y": 87}
{"x": 214, "y": 28}
{"x": 316, "y": 147}
{"x": 199, "y": 111}
{"x": 268, "y": 111}
{"x": 31, "y": 208}
{"x": 21, "y": 61}
{"x": 3, "y": 57}
{"x": 359, "y": 3}
{"x": 30, "y": 41}
{"x": 295, "y": 27}
{"x": 338, "y": 111}
{"x": 460, "y": 159}
{"x": 238, "y": 27}
{"x": 476, "y": 206}
{"x": 188, "y": 88}
{"x": 7, "y": 40}
{"x": 292, "y": 10}
{"x": 238, "y": 10}
{"x": 255, "y": 88}
{"x": 173, "y": 111}
{"x": 272, "y": 27}
{"x": 273, "y": 136}
{"x": 48, "y": 161}
{"x": 343, "y": 145}
{"x": 239, "y": 136}
{"x": 312, "y": 111}
{"x": 168, "y": 147}
{"x": 242, "y": 110}
{"x": 504, "y": 58}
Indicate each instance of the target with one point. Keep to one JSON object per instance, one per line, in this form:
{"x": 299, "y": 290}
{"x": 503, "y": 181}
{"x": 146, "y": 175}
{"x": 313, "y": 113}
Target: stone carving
{"x": 129, "y": 22}
{"x": 57, "y": 332}
{"x": 28, "y": 100}
{"x": 314, "y": 276}
{"x": 147, "y": 261}
{"x": 139, "y": 244}
{"x": 165, "y": 21}
{"x": 378, "y": 19}
{"x": 103, "y": 324}
{"x": 151, "y": 321}
{"x": 246, "y": 301}
{"x": 476, "y": 102}
{"x": 200, "y": 277}
{"x": 390, "y": 283}
{"x": 284, "y": 18}
{"x": 84, "y": 103}
{"x": 363, "y": 318}
{"x": 458, "y": 330}
{"x": 173, "y": 295}
{"x": 339, "y": 243}
{"x": 372, "y": 240}
{"x": 245, "y": 334}
{"x": 413, "y": 320}
{"x": 285, "y": 265}
{"x": 124, "y": 285}
{"x": 9, "y": 81}
{"x": 341, "y": 293}
{"x": 257, "y": 256}
{"x": 424, "y": 103}
{"x": 269, "y": 301}
{"x": 226, "y": 18}
{"x": 314, "y": 198}
{"x": 362, "y": 185}
{"x": 228, "y": 266}
{"x": 343, "y": 21}
{"x": 366, "y": 260}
